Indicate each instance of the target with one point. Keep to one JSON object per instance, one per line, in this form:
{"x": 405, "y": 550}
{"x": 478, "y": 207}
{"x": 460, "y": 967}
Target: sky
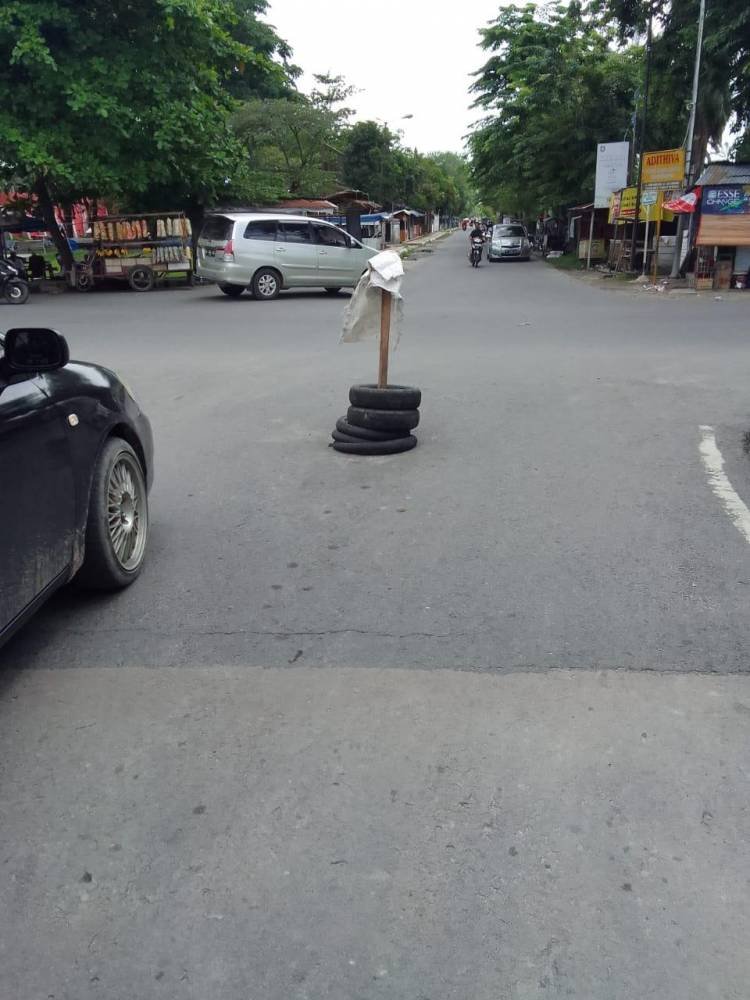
{"x": 406, "y": 57}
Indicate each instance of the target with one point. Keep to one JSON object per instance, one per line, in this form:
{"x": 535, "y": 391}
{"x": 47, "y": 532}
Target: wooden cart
{"x": 140, "y": 249}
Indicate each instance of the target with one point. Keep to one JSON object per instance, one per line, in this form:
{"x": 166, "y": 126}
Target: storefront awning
{"x": 724, "y": 231}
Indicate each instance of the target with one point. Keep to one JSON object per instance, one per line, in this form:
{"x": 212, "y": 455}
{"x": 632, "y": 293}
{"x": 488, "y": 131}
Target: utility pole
{"x": 676, "y": 259}
{"x": 642, "y": 147}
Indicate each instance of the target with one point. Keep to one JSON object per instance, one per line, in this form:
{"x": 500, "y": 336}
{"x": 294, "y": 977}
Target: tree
{"x": 461, "y": 193}
{"x": 293, "y": 144}
{"x": 725, "y": 66}
{"x": 119, "y": 98}
{"x": 290, "y": 146}
{"x": 553, "y": 87}
{"x": 368, "y": 162}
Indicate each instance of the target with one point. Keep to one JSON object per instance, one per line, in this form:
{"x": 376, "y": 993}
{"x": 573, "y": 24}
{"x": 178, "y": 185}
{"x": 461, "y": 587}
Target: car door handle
{"x": 325, "y": 252}
{"x": 279, "y": 250}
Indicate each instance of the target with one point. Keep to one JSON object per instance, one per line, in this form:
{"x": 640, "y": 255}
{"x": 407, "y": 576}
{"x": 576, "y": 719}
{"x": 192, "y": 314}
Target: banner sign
{"x": 611, "y": 170}
{"x": 727, "y": 200}
{"x": 622, "y": 207}
{"x": 664, "y": 167}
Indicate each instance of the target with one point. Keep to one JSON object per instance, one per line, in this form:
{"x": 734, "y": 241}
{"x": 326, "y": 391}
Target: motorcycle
{"x": 13, "y": 284}
{"x": 475, "y": 253}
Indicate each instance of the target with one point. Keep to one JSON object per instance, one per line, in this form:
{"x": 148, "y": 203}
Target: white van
{"x": 265, "y": 253}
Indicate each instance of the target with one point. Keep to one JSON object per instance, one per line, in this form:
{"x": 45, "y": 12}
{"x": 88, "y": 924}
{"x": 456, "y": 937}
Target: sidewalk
{"x": 420, "y": 242}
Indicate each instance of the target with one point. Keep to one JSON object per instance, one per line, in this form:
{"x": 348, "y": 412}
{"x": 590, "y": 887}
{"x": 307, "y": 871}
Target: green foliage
{"x": 120, "y": 98}
{"x": 373, "y": 161}
{"x": 725, "y": 70}
{"x": 367, "y": 161}
{"x": 290, "y": 146}
{"x": 553, "y": 87}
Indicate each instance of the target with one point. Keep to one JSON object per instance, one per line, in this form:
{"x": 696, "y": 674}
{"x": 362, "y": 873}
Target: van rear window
{"x": 263, "y": 229}
{"x": 217, "y": 227}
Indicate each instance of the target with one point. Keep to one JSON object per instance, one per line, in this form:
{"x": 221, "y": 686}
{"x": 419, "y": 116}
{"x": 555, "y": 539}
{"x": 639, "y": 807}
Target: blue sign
{"x": 726, "y": 200}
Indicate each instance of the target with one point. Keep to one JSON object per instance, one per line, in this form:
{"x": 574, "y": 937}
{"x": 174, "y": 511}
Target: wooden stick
{"x": 385, "y": 337}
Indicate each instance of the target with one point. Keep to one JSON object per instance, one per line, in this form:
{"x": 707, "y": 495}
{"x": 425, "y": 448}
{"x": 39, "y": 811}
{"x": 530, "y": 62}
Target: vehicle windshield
{"x": 508, "y": 231}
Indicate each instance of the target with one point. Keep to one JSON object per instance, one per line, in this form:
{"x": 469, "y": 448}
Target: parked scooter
{"x": 13, "y": 284}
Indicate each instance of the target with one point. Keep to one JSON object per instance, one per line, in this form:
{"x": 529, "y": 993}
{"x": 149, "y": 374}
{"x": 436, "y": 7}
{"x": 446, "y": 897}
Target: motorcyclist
{"x": 477, "y": 233}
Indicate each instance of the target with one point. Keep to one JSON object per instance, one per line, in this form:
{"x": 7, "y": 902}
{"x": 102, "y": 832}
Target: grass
{"x": 568, "y": 262}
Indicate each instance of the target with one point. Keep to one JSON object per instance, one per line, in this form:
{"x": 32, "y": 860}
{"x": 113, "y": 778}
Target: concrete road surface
{"x": 465, "y": 722}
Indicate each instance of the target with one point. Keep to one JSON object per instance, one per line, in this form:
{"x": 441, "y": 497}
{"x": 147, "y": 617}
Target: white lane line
{"x": 713, "y": 461}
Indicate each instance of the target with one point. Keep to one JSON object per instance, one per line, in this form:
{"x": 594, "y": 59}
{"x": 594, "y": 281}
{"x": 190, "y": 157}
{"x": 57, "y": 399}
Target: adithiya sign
{"x": 664, "y": 168}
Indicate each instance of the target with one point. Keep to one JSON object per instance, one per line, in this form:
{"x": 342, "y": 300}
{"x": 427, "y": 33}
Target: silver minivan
{"x": 265, "y": 253}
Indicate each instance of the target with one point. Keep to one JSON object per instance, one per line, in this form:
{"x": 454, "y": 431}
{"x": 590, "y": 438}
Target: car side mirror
{"x": 34, "y": 349}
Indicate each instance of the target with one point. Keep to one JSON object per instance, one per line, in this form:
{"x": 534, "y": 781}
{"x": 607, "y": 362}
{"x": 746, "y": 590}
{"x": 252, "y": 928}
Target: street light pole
{"x": 642, "y": 149}
{"x": 677, "y": 258}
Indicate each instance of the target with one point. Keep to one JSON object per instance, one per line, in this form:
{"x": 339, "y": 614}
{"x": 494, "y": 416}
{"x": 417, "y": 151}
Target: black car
{"x": 76, "y": 464}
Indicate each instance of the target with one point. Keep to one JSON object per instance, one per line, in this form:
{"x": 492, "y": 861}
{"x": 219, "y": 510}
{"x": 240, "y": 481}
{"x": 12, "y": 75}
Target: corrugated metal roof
{"x": 725, "y": 173}
{"x": 313, "y": 204}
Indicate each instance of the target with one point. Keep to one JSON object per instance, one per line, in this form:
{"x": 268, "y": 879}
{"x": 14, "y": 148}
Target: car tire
{"x": 266, "y": 284}
{"x": 16, "y": 292}
{"x": 391, "y": 397}
{"x": 117, "y": 525}
{"x": 393, "y": 447}
{"x": 233, "y": 291}
{"x": 141, "y": 278}
{"x": 332, "y": 291}
{"x": 383, "y": 420}
{"x": 362, "y": 433}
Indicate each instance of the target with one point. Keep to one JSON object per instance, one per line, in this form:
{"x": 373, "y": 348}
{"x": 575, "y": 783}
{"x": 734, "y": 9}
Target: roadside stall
{"x": 723, "y": 231}
{"x": 653, "y": 219}
{"x": 140, "y": 249}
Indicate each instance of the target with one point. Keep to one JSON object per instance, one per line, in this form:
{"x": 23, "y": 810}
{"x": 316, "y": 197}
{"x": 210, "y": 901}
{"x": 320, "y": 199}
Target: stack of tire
{"x": 379, "y": 420}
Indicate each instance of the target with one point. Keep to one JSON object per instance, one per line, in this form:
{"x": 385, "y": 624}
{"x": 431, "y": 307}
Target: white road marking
{"x": 713, "y": 460}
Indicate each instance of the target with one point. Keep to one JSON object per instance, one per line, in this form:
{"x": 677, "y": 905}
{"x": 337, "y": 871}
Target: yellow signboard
{"x": 622, "y": 208}
{"x": 664, "y": 167}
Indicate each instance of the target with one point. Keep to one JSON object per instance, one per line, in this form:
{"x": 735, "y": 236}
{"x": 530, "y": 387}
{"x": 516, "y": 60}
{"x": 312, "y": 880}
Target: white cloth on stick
{"x": 385, "y": 271}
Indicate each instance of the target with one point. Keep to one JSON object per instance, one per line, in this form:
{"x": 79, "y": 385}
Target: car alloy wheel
{"x": 266, "y": 286}
{"x": 127, "y": 512}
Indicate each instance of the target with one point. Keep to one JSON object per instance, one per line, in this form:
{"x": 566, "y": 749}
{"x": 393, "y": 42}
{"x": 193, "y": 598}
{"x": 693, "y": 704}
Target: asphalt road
{"x": 468, "y": 721}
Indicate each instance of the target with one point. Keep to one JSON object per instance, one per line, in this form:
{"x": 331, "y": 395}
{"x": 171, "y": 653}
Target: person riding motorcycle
{"x": 477, "y": 234}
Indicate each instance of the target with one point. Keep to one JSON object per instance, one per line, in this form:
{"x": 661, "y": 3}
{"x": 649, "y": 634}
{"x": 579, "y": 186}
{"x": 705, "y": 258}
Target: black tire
{"x": 392, "y": 397}
{"x": 376, "y": 447}
{"x": 233, "y": 291}
{"x": 266, "y": 284}
{"x": 363, "y": 434}
{"x": 383, "y": 420}
{"x": 350, "y": 438}
{"x": 103, "y": 568}
{"x": 84, "y": 281}
{"x": 332, "y": 291}
{"x": 16, "y": 291}
{"x": 141, "y": 278}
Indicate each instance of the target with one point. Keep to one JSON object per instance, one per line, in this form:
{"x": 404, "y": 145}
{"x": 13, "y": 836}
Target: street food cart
{"x": 140, "y": 249}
